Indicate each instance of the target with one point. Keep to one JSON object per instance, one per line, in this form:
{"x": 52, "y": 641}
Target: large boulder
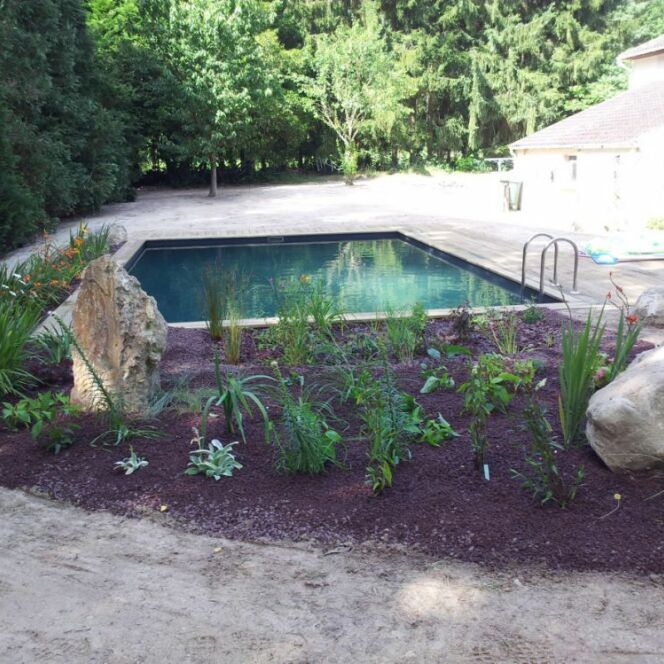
{"x": 121, "y": 333}
{"x": 626, "y": 418}
{"x": 650, "y": 306}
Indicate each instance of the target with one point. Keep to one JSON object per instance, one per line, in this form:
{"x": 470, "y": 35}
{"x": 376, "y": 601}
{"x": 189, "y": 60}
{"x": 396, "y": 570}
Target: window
{"x": 571, "y": 162}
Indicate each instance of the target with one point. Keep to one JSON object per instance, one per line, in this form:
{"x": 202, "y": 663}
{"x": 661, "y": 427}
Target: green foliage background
{"x": 97, "y": 95}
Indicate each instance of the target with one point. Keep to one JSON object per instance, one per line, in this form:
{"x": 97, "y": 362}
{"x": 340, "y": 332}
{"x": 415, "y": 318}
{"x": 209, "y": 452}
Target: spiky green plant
{"x": 16, "y": 324}
{"x": 580, "y": 359}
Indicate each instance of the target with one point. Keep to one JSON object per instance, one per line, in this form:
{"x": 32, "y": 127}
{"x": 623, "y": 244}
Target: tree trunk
{"x": 213, "y": 180}
{"x": 349, "y": 164}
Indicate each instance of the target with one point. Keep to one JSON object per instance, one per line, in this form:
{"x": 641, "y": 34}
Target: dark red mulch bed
{"x": 439, "y": 504}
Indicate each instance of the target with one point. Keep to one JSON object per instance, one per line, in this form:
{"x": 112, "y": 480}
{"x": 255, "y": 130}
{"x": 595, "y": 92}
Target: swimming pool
{"x": 368, "y": 272}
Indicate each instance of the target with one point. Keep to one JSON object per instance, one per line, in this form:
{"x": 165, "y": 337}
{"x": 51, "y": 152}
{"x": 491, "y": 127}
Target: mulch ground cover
{"x": 439, "y": 503}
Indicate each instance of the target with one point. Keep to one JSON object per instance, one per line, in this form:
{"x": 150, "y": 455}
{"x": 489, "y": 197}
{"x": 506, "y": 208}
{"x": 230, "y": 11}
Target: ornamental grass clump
{"x": 581, "y": 358}
{"x": 404, "y": 332}
{"x": 304, "y": 441}
{"x": 17, "y": 320}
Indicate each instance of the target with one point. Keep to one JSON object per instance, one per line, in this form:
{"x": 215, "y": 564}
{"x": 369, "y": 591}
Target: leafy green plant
{"x": 305, "y": 442}
{"x": 215, "y": 460}
{"x": 532, "y": 315}
{"x": 132, "y": 463}
{"x": 392, "y": 420}
{"x": 236, "y": 398}
{"x": 484, "y": 392}
{"x": 580, "y": 360}
{"x": 544, "y": 479}
{"x": 46, "y": 417}
{"x": 435, "y": 432}
{"x": 436, "y": 378}
{"x": 16, "y": 324}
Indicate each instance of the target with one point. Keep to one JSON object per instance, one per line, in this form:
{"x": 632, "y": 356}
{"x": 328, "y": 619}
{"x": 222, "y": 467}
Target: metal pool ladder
{"x": 552, "y": 242}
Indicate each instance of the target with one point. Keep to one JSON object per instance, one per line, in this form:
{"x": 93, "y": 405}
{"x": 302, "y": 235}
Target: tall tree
{"x": 358, "y": 84}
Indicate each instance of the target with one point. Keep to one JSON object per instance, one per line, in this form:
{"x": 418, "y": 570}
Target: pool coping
{"x": 131, "y": 250}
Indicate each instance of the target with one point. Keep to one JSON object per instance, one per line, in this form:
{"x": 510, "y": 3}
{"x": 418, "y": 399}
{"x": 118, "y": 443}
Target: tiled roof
{"x": 617, "y": 122}
{"x": 651, "y": 47}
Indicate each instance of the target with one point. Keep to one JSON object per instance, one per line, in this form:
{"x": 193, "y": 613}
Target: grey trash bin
{"x": 512, "y": 194}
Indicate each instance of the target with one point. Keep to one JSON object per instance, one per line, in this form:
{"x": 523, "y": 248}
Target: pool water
{"x": 367, "y": 275}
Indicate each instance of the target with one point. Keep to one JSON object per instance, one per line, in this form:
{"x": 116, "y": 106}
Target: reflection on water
{"x": 366, "y": 275}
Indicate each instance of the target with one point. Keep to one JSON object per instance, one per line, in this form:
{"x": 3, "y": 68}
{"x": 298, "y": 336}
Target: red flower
{"x": 632, "y": 319}
{"x": 608, "y": 295}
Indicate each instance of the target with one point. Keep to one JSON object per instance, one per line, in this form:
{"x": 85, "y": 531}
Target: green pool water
{"x": 366, "y": 276}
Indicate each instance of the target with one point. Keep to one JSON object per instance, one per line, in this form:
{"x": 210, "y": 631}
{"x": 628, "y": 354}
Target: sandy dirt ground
{"x": 81, "y": 587}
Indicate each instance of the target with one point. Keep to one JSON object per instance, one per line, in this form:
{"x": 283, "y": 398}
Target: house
{"x": 602, "y": 168}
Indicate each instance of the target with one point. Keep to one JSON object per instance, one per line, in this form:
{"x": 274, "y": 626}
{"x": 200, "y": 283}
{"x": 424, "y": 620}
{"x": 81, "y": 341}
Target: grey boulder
{"x": 625, "y": 419}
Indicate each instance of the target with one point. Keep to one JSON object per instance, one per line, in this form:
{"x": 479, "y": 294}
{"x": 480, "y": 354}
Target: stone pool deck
{"x": 459, "y": 214}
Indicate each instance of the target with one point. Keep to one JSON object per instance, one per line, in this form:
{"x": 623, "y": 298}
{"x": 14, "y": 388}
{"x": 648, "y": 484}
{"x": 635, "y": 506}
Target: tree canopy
{"x": 99, "y": 95}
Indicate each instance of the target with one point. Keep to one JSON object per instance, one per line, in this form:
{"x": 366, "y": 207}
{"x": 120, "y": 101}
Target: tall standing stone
{"x": 122, "y": 334}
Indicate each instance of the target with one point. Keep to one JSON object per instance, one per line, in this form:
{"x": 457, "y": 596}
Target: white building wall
{"x": 593, "y": 190}
{"x": 646, "y": 70}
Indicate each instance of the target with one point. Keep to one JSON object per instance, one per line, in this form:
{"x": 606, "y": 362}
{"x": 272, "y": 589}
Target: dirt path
{"x": 80, "y": 587}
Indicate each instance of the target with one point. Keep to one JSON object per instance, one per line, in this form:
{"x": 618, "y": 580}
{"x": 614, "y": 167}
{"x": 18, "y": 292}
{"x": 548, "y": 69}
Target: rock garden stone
{"x": 626, "y": 418}
{"x": 650, "y": 306}
{"x": 117, "y": 234}
{"x": 121, "y": 332}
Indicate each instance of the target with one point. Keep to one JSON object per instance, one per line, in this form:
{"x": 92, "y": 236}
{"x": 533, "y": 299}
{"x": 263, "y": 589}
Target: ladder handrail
{"x": 554, "y": 242}
{"x": 523, "y": 260}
